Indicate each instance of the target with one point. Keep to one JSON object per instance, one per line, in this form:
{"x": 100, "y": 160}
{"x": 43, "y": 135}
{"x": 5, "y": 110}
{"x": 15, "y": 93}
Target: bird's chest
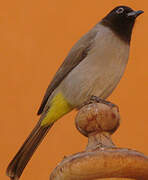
{"x": 99, "y": 73}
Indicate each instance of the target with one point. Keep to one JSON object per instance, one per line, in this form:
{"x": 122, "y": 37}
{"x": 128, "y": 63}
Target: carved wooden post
{"x": 101, "y": 159}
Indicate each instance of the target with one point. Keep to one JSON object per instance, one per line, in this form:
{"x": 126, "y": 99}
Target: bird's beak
{"x": 135, "y": 14}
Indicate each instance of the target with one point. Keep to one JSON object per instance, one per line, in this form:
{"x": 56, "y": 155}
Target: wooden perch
{"x": 101, "y": 159}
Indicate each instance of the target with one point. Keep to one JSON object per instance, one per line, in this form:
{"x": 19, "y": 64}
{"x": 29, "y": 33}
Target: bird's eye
{"x": 120, "y": 11}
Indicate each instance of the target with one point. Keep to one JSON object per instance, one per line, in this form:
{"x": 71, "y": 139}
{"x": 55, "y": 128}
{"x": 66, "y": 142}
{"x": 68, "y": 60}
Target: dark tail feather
{"x": 21, "y": 159}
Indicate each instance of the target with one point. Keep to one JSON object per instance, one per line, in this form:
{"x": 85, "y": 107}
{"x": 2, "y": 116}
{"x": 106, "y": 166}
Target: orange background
{"x": 35, "y": 37}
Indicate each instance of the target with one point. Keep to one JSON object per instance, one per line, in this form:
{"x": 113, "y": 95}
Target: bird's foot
{"x": 98, "y": 100}
{"x": 103, "y": 101}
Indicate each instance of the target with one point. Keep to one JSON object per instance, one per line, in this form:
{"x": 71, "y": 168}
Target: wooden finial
{"x": 101, "y": 159}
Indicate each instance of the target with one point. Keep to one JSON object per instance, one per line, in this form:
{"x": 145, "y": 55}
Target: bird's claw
{"x": 97, "y": 100}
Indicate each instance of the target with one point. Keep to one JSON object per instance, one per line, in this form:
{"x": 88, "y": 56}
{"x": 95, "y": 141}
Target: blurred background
{"x": 35, "y": 37}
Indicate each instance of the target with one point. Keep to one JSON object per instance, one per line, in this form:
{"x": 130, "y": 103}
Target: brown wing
{"x": 78, "y": 52}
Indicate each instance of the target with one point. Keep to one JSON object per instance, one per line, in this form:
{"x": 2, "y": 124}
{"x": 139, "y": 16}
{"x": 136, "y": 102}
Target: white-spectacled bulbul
{"x": 94, "y": 66}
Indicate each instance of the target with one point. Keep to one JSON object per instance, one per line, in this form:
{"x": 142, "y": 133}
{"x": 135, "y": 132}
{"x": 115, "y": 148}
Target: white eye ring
{"x": 120, "y": 11}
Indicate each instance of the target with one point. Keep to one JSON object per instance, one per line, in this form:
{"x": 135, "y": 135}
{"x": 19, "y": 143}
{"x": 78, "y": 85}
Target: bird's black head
{"x": 121, "y": 20}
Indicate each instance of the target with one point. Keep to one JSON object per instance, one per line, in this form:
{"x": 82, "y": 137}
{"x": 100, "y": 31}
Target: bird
{"x": 93, "y": 67}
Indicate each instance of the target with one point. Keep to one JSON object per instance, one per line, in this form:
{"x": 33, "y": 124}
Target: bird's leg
{"x": 98, "y": 100}
{"x": 103, "y": 101}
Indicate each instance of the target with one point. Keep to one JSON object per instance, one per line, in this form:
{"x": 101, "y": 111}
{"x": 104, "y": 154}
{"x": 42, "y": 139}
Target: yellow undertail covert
{"x": 59, "y": 107}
